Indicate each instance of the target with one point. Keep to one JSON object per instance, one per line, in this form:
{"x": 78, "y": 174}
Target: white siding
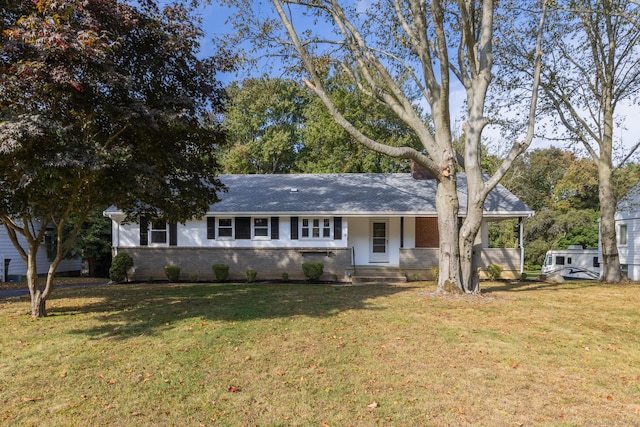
{"x": 630, "y": 253}
{"x": 194, "y": 234}
{"x": 360, "y": 240}
{"x": 18, "y": 268}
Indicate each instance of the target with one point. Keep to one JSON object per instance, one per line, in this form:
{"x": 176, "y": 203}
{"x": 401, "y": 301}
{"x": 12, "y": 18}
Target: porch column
{"x": 521, "y": 243}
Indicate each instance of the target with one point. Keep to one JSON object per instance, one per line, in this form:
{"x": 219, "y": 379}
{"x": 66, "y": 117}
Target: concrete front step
{"x": 377, "y": 275}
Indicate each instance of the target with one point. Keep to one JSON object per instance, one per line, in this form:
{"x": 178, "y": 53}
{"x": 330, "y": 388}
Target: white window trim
{"x": 620, "y": 234}
{"x": 322, "y": 227}
{"x": 152, "y": 230}
{"x": 232, "y": 227}
{"x": 267, "y": 227}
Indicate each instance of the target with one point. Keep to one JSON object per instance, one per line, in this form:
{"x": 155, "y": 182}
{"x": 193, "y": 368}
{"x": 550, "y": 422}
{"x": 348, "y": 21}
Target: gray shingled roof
{"x": 630, "y": 202}
{"x": 348, "y": 194}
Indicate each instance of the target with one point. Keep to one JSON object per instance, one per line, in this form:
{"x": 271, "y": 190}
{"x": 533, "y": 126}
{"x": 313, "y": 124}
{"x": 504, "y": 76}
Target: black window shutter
{"x": 275, "y": 228}
{"x": 144, "y": 232}
{"x": 173, "y": 234}
{"x": 243, "y": 227}
{"x": 211, "y": 227}
{"x": 337, "y": 228}
{"x": 294, "y": 228}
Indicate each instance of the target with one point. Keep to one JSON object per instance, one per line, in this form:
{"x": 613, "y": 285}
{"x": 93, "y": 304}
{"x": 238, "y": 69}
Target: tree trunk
{"x": 38, "y": 297}
{"x": 610, "y": 260}
{"x": 447, "y": 206}
{"x": 468, "y": 258}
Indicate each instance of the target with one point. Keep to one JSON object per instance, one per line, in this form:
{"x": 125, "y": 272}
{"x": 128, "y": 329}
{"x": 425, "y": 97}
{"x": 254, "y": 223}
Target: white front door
{"x": 379, "y": 241}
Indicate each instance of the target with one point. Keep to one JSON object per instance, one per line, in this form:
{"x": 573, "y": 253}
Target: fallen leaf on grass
{"x": 233, "y": 389}
{"x": 31, "y": 399}
{"x": 373, "y": 405}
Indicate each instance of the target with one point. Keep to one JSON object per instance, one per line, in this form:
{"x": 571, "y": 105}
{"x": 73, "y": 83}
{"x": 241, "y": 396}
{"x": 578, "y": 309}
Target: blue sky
{"x": 214, "y": 18}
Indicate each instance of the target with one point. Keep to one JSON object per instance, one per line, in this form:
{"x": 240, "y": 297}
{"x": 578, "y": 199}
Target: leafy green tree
{"x": 535, "y": 175}
{"x": 264, "y": 119}
{"x": 94, "y": 243}
{"x": 101, "y": 102}
{"x": 578, "y": 187}
{"x": 329, "y": 148}
{"x": 555, "y": 229}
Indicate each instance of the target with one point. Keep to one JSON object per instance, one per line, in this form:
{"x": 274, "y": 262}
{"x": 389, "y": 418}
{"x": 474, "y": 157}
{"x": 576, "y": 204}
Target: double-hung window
{"x": 225, "y": 228}
{"x": 315, "y": 228}
{"x": 261, "y": 228}
{"x": 622, "y": 234}
{"x": 158, "y": 232}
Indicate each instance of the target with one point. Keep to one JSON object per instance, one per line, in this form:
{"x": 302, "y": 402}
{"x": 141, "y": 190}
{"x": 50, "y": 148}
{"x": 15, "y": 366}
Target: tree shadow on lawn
{"x": 126, "y": 311}
{"x": 529, "y": 286}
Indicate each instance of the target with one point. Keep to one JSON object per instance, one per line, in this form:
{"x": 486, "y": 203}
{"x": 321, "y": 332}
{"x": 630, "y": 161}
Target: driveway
{"x": 11, "y": 293}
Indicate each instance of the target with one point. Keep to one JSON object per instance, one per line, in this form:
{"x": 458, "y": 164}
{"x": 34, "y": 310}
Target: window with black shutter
{"x": 275, "y": 228}
{"x": 211, "y": 227}
{"x": 337, "y": 228}
{"x": 144, "y": 232}
{"x": 294, "y": 228}
{"x": 243, "y": 228}
{"x": 173, "y": 234}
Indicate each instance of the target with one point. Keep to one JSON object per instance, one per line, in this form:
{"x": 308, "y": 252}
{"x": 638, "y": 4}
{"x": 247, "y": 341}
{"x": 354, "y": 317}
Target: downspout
{"x": 117, "y": 245}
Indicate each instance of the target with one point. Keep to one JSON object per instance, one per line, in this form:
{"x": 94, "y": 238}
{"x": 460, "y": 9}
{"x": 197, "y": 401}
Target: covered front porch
{"x": 422, "y": 264}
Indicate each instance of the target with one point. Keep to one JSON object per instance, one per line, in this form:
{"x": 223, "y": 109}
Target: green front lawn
{"x": 256, "y": 354}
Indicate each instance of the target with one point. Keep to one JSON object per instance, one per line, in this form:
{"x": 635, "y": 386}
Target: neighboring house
{"x": 357, "y": 225}
{"x": 13, "y": 268}
{"x": 627, "y": 220}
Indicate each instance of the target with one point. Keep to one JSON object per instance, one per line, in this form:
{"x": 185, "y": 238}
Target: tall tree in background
{"x": 275, "y": 125}
{"x": 264, "y": 120}
{"x": 562, "y": 188}
{"x": 329, "y": 148}
{"x": 593, "y": 67}
{"x": 101, "y": 102}
{"x": 393, "y": 51}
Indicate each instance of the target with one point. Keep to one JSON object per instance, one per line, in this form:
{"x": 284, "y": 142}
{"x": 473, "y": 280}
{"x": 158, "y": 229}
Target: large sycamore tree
{"x": 591, "y": 70}
{"x": 101, "y": 102}
{"x": 595, "y": 68}
{"x": 394, "y": 51}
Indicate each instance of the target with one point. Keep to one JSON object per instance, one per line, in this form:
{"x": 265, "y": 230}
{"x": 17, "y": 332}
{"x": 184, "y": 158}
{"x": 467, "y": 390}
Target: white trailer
{"x": 575, "y": 262}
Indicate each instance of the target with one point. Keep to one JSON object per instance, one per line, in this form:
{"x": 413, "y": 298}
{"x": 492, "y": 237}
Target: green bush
{"x": 285, "y": 277}
{"x": 194, "y": 277}
{"x": 494, "y": 271}
{"x": 172, "y": 272}
{"x": 221, "y": 272}
{"x": 120, "y": 266}
{"x": 312, "y": 270}
{"x": 251, "y": 275}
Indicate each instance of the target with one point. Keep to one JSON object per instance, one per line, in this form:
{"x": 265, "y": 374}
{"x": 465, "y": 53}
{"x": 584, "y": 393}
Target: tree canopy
{"x": 102, "y": 102}
{"x": 592, "y": 70}
{"x": 276, "y": 125}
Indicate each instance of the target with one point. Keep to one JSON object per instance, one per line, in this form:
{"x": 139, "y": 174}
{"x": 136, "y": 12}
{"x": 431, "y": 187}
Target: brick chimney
{"x": 418, "y": 172}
